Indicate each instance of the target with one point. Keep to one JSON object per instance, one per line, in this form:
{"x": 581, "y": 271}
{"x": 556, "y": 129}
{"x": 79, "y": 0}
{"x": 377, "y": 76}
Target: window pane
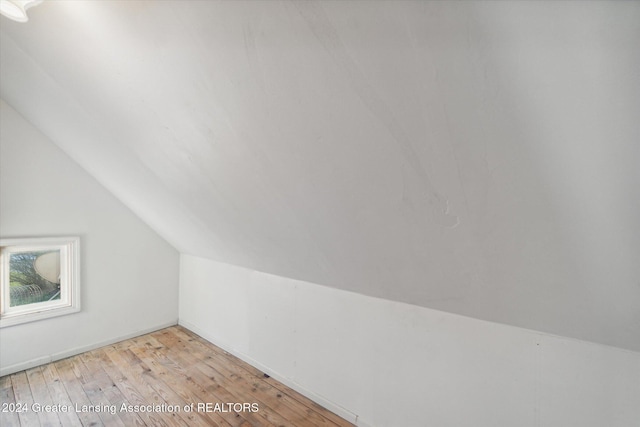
{"x": 34, "y": 277}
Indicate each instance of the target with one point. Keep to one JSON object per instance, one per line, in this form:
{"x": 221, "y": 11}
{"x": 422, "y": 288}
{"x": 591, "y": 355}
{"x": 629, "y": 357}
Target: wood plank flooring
{"x": 170, "y": 377}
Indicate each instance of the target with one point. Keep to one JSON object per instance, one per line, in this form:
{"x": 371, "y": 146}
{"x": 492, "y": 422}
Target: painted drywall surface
{"x": 473, "y": 157}
{"x": 129, "y": 275}
{"x": 386, "y": 363}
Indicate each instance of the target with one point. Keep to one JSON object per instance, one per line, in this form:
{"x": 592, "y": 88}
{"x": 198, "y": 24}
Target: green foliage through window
{"x": 26, "y": 285}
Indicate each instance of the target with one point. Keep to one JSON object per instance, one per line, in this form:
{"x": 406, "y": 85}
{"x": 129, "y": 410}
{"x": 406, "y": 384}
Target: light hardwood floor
{"x": 173, "y": 367}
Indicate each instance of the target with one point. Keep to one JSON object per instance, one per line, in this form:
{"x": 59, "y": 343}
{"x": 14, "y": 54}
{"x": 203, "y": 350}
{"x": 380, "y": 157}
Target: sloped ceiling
{"x": 477, "y": 158}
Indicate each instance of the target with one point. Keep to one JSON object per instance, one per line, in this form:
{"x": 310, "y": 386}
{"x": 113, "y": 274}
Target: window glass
{"x": 39, "y": 278}
{"x": 34, "y": 276}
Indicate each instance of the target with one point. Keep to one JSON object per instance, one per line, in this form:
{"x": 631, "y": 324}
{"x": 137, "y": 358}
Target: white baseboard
{"x": 331, "y": 406}
{"x": 7, "y": 370}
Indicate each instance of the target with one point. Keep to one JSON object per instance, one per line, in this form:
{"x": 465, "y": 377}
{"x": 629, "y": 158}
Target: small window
{"x": 39, "y": 279}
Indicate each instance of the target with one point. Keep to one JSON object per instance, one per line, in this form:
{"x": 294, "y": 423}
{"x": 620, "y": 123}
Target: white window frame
{"x": 69, "y": 301}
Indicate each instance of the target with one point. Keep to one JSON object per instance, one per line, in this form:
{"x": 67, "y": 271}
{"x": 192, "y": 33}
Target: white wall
{"x": 129, "y": 275}
{"x": 385, "y": 363}
{"x": 479, "y": 158}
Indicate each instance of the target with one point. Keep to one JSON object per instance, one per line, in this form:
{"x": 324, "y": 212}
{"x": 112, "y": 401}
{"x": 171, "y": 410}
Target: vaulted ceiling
{"x": 478, "y": 158}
